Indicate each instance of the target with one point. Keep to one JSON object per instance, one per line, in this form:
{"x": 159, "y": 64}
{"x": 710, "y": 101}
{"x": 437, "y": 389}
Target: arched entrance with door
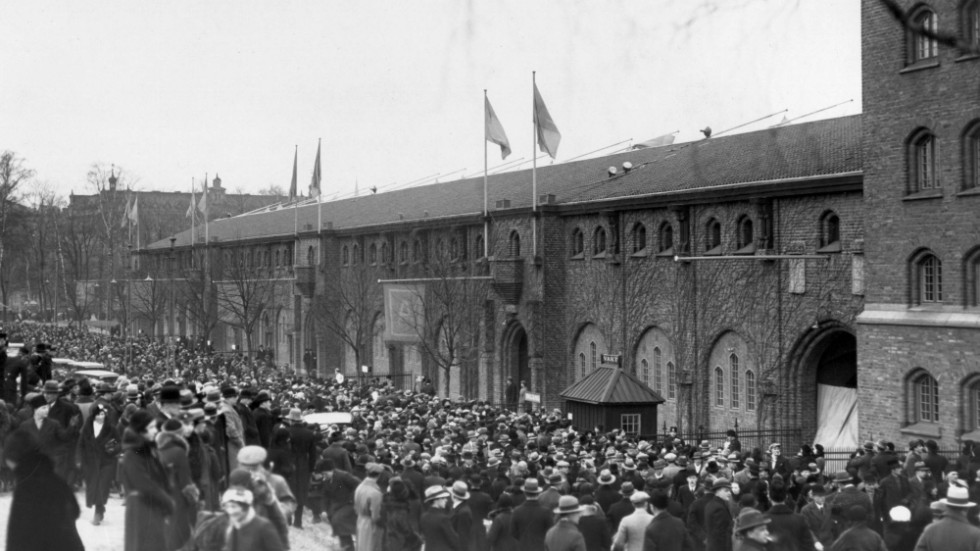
{"x": 826, "y": 383}
{"x": 515, "y": 357}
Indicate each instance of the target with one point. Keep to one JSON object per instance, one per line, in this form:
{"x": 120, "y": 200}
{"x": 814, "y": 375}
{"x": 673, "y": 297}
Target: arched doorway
{"x": 515, "y": 356}
{"x": 827, "y": 382}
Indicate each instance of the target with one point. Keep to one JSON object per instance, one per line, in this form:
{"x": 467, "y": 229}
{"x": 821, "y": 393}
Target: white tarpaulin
{"x": 837, "y": 417}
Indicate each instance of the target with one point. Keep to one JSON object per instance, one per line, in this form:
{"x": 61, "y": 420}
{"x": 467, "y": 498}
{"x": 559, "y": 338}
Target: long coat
{"x": 632, "y": 530}
{"x": 149, "y": 506}
{"x": 43, "y": 510}
{"x": 438, "y": 533}
{"x": 302, "y": 444}
{"x": 338, "y": 492}
{"x": 718, "y": 525}
{"x": 98, "y": 466}
{"x": 666, "y": 533}
{"x": 173, "y": 450}
{"x": 500, "y": 537}
{"x": 367, "y": 504}
{"x": 788, "y": 529}
{"x": 564, "y": 536}
{"x": 400, "y": 518}
{"x": 530, "y": 524}
{"x": 862, "y": 538}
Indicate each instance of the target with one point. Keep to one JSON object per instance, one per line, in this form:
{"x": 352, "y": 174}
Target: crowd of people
{"x": 210, "y": 457}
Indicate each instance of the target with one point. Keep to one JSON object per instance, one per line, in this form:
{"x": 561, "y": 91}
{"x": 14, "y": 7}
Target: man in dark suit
{"x": 530, "y": 521}
{"x": 338, "y": 492}
{"x": 621, "y": 508}
{"x": 302, "y": 444}
{"x": 665, "y": 532}
{"x": 337, "y": 453}
{"x": 412, "y": 476}
{"x": 565, "y": 535}
{"x": 265, "y": 422}
{"x": 69, "y": 418}
{"x": 789, "y": 531}
{"x": 894, "y": 490}
{"x": 718, "y": 517}
{"x": 436, "y": 526}
{"x": 687, "y": 493}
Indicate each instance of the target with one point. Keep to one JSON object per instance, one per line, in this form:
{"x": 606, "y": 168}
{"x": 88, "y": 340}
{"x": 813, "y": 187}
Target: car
{"x": 325, "y": 419}
{"x": 96, "y": 375}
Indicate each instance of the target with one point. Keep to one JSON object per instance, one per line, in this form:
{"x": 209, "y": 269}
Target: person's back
{"x": 530, "y": 524}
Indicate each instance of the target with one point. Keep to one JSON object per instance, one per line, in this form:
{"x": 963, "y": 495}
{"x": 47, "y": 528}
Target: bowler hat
{"x": 749, "y": 518}
{"x": 51, "y": 387}
{"x": 568, "y": 505}
{"x": 531, "y": 487}
{"x": 627, "y": 489}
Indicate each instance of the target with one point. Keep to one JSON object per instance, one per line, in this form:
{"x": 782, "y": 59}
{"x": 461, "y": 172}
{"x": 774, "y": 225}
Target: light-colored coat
{"x": 367, "y": 504}
{"x": 632, "y": 531}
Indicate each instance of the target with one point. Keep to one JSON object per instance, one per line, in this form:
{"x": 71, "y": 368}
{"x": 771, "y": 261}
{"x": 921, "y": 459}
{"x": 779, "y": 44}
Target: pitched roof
{"x": 821, "y": 148}
{"x": 611, "y": 385}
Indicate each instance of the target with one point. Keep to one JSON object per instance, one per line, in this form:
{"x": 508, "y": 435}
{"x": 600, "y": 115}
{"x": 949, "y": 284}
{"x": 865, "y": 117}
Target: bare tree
{"x": 148, "y": 300}
{"x": 243, "y": 293}
{"x": 78, "y": 246}
{"x": 13, "y": 175}
{"x": 347, "y": 307}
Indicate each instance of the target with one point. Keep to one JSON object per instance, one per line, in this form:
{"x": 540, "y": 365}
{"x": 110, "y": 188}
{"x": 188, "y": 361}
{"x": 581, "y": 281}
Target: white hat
{"x": 957, "y": 496}
{"x": 900, "y": 514}
{"x": 237, "y": 495}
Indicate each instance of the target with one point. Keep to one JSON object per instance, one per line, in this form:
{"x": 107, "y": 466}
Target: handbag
{"x": 112, "y": 447}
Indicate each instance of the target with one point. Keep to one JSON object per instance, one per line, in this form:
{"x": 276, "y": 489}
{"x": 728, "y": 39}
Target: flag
{"x": 202, "y": 205}
{"x": 548, "y": 135}
{"x": 125, "y": 217}
{"x": 315, "y": 182}
{"x": 404, "y": 306}
{"x": 292, "y": 185}
{"x": 192, "y": 208}
{"x": 659, "y": 141}
{"x": 495, "y": 131}
{"x": 134, "y": 215}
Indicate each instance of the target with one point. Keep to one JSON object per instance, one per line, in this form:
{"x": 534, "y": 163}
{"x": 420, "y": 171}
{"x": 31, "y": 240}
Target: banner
{"x": 404, "y": 312}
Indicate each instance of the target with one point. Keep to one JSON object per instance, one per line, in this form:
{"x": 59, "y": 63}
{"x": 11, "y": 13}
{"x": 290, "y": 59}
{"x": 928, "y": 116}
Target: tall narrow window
{"x": 926, "y": 397}
{"x": 480, "y": 253}
{"x": 417, "y": 251}
{"x": 385, "y": 254}
{"x": 403, "y": 252}
{"x": 973, "y": 405}
{"x": 345, "y": 256}
{"x": 658, "y": 374}
{"x": 922, "y": 161}
{"x": 830, "y": 233}
{"x": 971, "y": 154}
{"x": 599, "y": 241}
{"x": 311, "y": 256}
{"x": 666, "y": 238}
{"x": 746, "y": 236}
{"x": 921, "y": 33}
{"x": 712, "y": 238}
{"x": 581, "y": 364}
{"x": 639, "y": 237}
{"x": 515, "y": 243}
{"x": 973, "y": 278}
{"x": 671, "y": 381}
{"x": 373, "y": 254}
{"x": 749, "y": 390}
{"x": 733, "y": 375}
{"x": 971, "y": 23}
{"x": 578, "y": 242}
{"x": 929, "y": 275}
{"x": 592, "y": 349}
{"x": 645, "y": 371}
{"x": 719, "y": 387}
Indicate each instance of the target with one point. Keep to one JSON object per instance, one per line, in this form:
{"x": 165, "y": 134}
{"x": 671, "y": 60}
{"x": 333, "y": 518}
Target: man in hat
{"x": 262, "y": 414}
{"x": 303, "y": 454}
{"x": 718, "y": 517}
{"x": 12, "y": 368}
{"x": 665, "y": 532}
{"x": 530, "y": 521}
{"x": 922, "y": 492}
{"x": 565, "y": 535}
{"x": 69, "y": 418}
{"x": 893, "y": 491}
{"x": 367, "y": 505}
{"x": 608, "y": 493}
{"x": 816, "y": 514}
{"x": 631, "y": 531}
{"x": 752, "y": 531}
{"x": 622, "y": 508}
{"x": 252, "y": 459}
{"x": 462, "y": 517}
{"x": 789, "y": 530}
{"x": 41, "y": 362}
{"x": 244, "y": 409}
{"x": 437, "y": 529}
{"x": 858, "y": 536}
{"x": 549, "y": 497}
{"x": 338, "y": 489}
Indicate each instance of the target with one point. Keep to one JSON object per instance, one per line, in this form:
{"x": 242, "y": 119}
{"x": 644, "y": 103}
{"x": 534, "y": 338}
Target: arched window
{"x": 385, "y": 254}
{"x": 925, "y": 398}
{"x": 581, "y": 364}
{"x": 927, "y": 284}
{"x": 592, "y": 349}
{"x": 310, "y": 256}
{"x": 971, "y": 151}
{"x": 922, "y": 46}
{"x": 746, "y": 238}
{"x": 345, "y": 256}
{"x": 514, "y": 243}
{"x": 712, "y": 237}
{"x": 403, "y": 252}
{"x": 749, "y": 390}
{"x": 671, "y": 381}
{"x": 830, "y": 232}
{"x": 645, "y": 371}
{"x": 373, "y": 254}
{"x": 277, "y": 258}
{"x": 733, "y": 375}
{"x": 440, "y": 249}
{"x": 480, "y": 253}
{"x": 417, "y": 251}
{"x": 639, "y": 237}
{"x": 922, "y": 161}
{"x": 719, "y": 387}
{"x": 971, "y": 23}
{"x": 454, "y": 249}
{"x": 666, "y": 238}
{"x": 578, "y": 242}
{"x": 972, "y": 270}
{"x": 972, "y": 402}
{"x": 358, "y": 256}
{"x": 599, "y": 241}
{"x": 287, "y": 256}
{"x": 658, "y": 370}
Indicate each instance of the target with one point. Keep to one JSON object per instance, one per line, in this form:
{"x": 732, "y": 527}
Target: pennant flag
{"x": 495, "y": 131}
{"x": 659, "y": 141}
{"x": 125, "y": 218}
{"x": 134, "y": 215}
{"x": 202, "y": 205}
{"x": 548, "y": 135}
{"x": 315, "y": 182}
{"x": 292, "y": 185}
{"x": 192, "y": 208}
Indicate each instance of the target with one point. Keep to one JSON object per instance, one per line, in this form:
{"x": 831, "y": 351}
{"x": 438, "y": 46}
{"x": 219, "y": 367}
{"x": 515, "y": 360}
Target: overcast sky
{"x": 171, "y": 90}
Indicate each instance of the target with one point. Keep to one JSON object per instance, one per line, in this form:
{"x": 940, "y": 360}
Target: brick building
{"x": 787, "y": 278}
{"x": 919, "y": 335}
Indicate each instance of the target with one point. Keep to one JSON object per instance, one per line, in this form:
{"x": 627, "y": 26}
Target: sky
{"x": 171, "y": 91}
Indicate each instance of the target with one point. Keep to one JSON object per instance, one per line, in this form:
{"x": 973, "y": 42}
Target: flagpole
{"x": 319, "y": 190}
{"x": 486, "y": 207}
{"x": 296, "y": 205}
{"x": 193, "y": 211}
{"x": 207, "y": 235}
{"x": 534, "y": 172}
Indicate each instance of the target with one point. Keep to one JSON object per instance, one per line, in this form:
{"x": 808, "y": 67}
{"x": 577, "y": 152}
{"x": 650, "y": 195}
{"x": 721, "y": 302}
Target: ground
{"x": 109, "y": 535}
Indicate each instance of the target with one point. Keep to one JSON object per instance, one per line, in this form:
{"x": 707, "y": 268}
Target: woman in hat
{"x": 148, "y": 502}
{"x": 99, "y": 449}
{"x": 437, "y": 529}
{"x": 43, "y": 510}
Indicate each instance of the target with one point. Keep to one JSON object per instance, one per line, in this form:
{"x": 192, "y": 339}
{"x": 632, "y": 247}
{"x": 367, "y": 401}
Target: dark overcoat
{"x": 149, "y": 506}
{"x": 98, "y": 465}
{"x": 43, "y": 510}
{"x": 339, "y": 495}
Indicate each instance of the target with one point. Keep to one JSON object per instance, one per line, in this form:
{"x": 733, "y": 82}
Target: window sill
{"x": 666, "y": 253}
{"x": 640, "y": 254}
{"x": 969, "y": 192}
{"x": 967, "y": 57}
{"x": 747, "y": 250}
{"x": 600, "y": 256}
{"x": 579, "y": 256}
{"x": 928, "y": 307}
{"x": 920, "y": 65}
{"x": 925, "y": 194}
{"x": 931, "y": 430}
{"x": 831, "y": 248}
{"x": 713, "y": 252}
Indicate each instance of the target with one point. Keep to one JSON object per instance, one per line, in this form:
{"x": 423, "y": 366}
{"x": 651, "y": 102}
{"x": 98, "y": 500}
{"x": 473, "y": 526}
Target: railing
{"x": 836, "y": 460}
{"x": 789, "y": 438}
